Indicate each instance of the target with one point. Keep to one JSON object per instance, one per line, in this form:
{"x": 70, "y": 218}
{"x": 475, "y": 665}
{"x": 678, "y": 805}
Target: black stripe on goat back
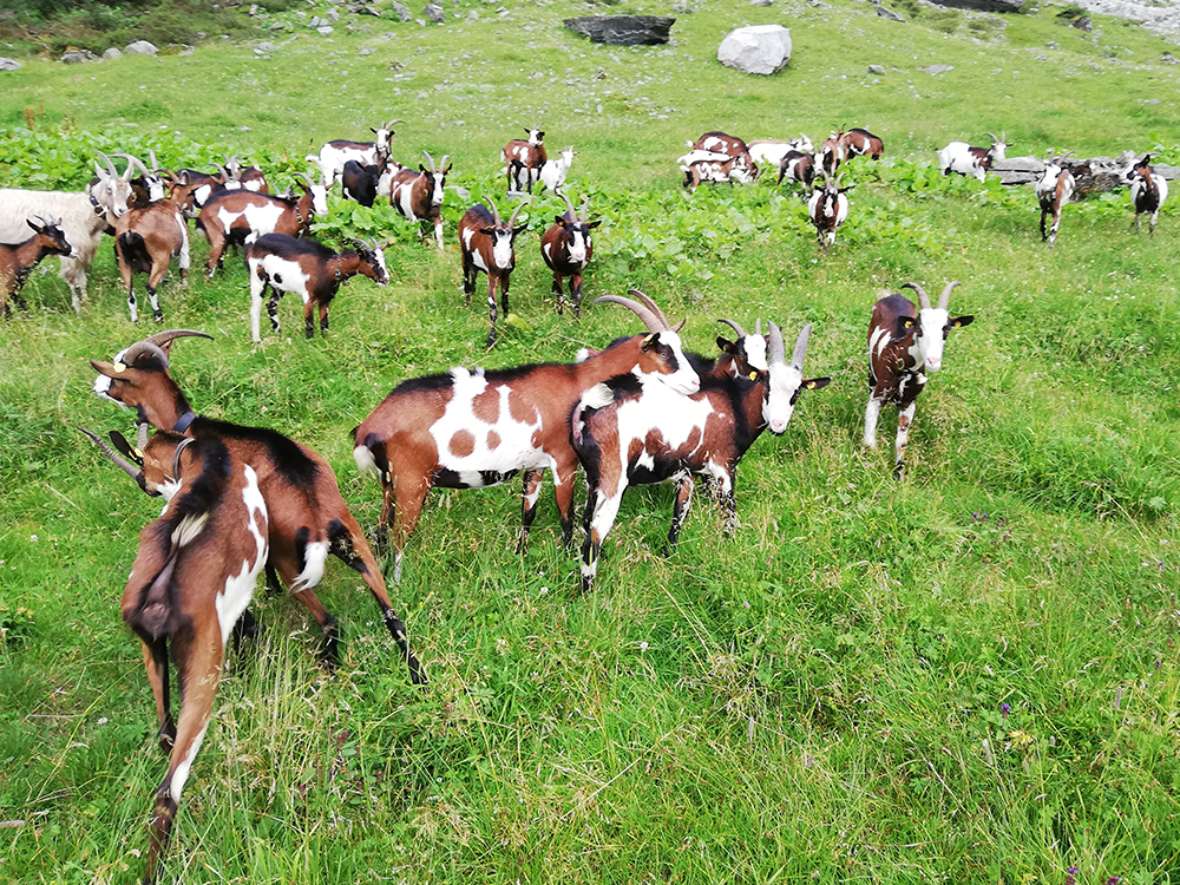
{"x": 292, "y": 247}
{"x": 291, "y": 462}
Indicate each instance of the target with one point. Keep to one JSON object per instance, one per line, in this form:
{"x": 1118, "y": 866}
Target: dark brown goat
{"x": 488, "y": 243}
{"x": 17, "y": 260}
{"x": 146, "y": 240}
{"x": 567, "y": 249}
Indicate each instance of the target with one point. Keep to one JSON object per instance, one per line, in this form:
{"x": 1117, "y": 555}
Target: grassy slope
{"x": 821, "y": 693}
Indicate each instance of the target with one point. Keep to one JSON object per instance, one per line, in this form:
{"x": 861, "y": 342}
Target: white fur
{"x": 502, "y": 249}
{"x": 927, "y": 347}
{"x": 315, "y": 556}
{"x": 554, "y": 172}
{"x": 239, "y": 589}
{"x": 364, "y": 461}
{"x": 957, "y": 157}
{"x": 292, "y": 277}
{"x": 180, "y": 776}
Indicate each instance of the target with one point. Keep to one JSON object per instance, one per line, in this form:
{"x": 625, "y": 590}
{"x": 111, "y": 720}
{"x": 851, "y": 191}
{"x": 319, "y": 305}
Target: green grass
{"x": 817, "y": 698}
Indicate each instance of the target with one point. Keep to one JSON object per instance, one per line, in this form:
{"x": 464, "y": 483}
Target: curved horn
{"x": 800, "y": 346}
{"x": 491, "y": 204}
{"x": 738, "y": 330}
{"x": 776, "y": 349}
{"x": 652, "y": 306}
{"x": 945, "y": 297}
{"x": 516, "y": 211}
{"x": 649, "y": 319}
{"x": 569, "y": 204}
{"x": 163, "y": 339}
{"x": 141, "y": 435}
{"x": 443, "y": 163}
{"x": 992, "y": 136}
{"x": 110, "y": 166}
{"x": 225, "y": 176}
{"x": 120, "y": 462}
{"x": 391, "y": 124}
{"x": 758, "y": 327}
{"x": 430, "y": 160}
{"x": 923, "y": 298}
{"x": 155, "y": 162}
{"x": 180, "y": 447}
{"x": 132, "y": 353}
{"x": 133, "y": 162}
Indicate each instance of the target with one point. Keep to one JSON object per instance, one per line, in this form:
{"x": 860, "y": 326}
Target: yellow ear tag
{"x": 753, "y": 376}
{"x": 120, "y": 367}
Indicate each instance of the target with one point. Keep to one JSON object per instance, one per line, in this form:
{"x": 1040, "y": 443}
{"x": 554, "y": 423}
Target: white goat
{"x": 553, "y": 172}
{"x": 960, "y": 157}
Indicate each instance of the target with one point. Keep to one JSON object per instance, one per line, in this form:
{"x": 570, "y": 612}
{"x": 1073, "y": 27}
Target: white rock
{"x": 9, "y": 64}
{"x": 325, "y": 29}
{"x": 757, "y": 49}
{"x": 141, "y": 47}
{"x": 113, "y": 52}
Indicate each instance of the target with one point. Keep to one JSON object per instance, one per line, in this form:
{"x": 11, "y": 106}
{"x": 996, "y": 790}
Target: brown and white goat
{"x": 904, "y": 345}
{"x": 418, "y": 196}
{"x": 1148, "y": 191}
{"x": 960, "y": 157}
{"x": 335, "y": 154}
{"x": 702, "y": 166}
{"x": 861, "y": 143}
{"x": 249, "y": 178}
{"x": 828, "y": 209}
{"x": 308, "y": 517}
{"x": 629, "y": 431}
{"x": 797, "y": 166}
{"x": 185, "y": 185}
{"x": 523, "y": 160}
{"x": 474, "y": 428}
{"x": 232, "y": 216}
{"x": 567, "y": 248}
{"x": 148, "y": 185}
{"x": 832, "y": 154}
{"x": 147, "y": 238}
{"x": 17, "y": 260}
{"x": 488, "y": 243}
{"x": 192, "y": 579}
{"x": 1054, "y": 189}
{"x": 723, "y": 143}
{"x": 310, "y": 270}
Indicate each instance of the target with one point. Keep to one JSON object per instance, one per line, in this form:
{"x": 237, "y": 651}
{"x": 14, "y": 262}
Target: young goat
{"x": 1054, "y": 189}
{"x": 905, "y": 344}
{"x": 335, "y": 154}
{"x": 474, "y": 428}
{"x": 308, "y": 517}
{"x": 861, "y": 143}
{"x": 365, "y": 183}
{"x": 523, "y": 160}
{"x": 960, "y": 157}
{"x": 828, "y": 209}
{"x": 554, "y": 172}
{"x": 146, "y": 240}
{"x": 232, "y": 216}
{"x": 17, "y": 260}
{"x": 797, "y": 166}
{"x": 567, "y": 249}
{"x": 628, "y": 431}
{"x": 1148, "y": 191}
{"x": 312, "y": 271}
{"x": 487, "y": 243}
{"x": 418, "y": 196}
{"x": 193, "y": 577}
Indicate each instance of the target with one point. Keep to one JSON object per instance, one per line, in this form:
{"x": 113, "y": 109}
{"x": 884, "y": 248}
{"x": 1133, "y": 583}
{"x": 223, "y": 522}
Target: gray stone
{"x": 435, "y": 13}
{"x": 876, "y": 69}
{"x": 1083, "y": 23}
{"x": 9, "y": 64}
{"x": 684, "y": 7}
{"x": 112, "y": 53}
{"x": 401, "y": 11}
{"x": 761, "y": 2}
{"x": 757, "y": 49}
{"x": 983, "y": 5}
{"x": 316, "y": 22}
{"x": 77, "y": 56}
{"x": 264, "y": 48}
{"x": 889, "y": 14}
{"x": 186, "y": 49}
{"x": 623, "y": 30}
{"x": 141, "y": 47}
{"x": 938, "y": 69}
{"x": 325, "y": 29}
{"x": 1169, "y": 59}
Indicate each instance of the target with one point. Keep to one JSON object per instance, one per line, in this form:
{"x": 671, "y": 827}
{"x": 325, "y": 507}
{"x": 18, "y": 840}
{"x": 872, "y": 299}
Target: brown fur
{"x": 17, "y": 260}
{"x": 146, "y": 240}
{"x": 295, "y": 220}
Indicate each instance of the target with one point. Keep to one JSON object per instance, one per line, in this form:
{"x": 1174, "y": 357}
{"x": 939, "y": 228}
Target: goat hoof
{"x": 899, "y": 470}
{"x": 158, "y": 317}
{"x": 167, "y": 736}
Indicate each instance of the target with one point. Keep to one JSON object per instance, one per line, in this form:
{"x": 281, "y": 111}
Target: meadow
{"x": 970, "y": 675}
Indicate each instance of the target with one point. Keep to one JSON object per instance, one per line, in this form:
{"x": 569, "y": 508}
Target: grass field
{"x": 968, "y": 676}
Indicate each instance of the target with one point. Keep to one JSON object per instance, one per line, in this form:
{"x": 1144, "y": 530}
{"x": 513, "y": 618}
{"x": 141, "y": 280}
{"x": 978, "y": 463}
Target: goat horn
{"x": 776, "y": 349}
{"x": 923, "y": 298}
{"x": 569, "y": 204}
{"x": 430, "y": 160}
{"x": 133, "y": 162}
{"x": 391, "y": 124}
{"x": 442, "y": 167}
{"x": 160, "y": 339}
{"x": 945, "y": 297}
{"x": 516, "y": 211}
{"x": 120, "y": 462}
{"x": 141, "y": 435}
{"x": 651, "y": 305}
{"x": 491, "y": 204}
{"x": 132, "y": 353}
{"x": 180, "y": 447}
{"x": 110, "y": 166}
{"x": 800, "y": 346}
{"x": 741, "y": 333}
{"x": 758, "y": 327}
{"x": 649, "y": 319}
{"x": 155, "y": 162}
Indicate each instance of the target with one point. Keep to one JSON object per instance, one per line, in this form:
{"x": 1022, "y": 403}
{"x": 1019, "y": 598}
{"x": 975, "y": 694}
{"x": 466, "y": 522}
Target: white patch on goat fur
{"x": 284, "y": 275}
{"x": 239, "y": 589}
{"x": 405, "y": 200}
{"x": 756, "y": 352}
{"x": 477, "y": 260}
{"x": 468, "y": 233}
{"x": 365, "y": 462}
{"x": 879, "y": 340}
{"x": 315, "y": 556}
{"x": 180, "y": 776}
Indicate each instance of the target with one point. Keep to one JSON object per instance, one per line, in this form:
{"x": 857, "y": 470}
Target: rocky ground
{"x": 1162, "y": 17}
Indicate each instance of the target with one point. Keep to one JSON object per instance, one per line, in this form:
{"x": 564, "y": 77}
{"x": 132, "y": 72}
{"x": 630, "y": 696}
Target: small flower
{"x": 643, "y": 646}
{"x": 1005, "y": 708}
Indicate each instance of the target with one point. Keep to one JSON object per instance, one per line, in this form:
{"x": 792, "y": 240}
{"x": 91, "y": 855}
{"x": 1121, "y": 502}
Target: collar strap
{"x": 184, "y": 422}
{"x": 97, "y": 206}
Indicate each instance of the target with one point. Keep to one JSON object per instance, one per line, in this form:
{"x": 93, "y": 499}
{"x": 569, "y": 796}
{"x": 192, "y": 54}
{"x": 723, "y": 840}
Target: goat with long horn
{"x": 418, "y": 196}
{"x": 566, "y": 248}
{"x": 487, "y": 243}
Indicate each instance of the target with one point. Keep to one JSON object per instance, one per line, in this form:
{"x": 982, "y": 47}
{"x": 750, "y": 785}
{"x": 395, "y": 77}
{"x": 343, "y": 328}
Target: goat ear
{"x": 519, "y": 229}
{"x": 559, "y": 219}
{"x": 371, "y": 129}
{"x": 958, "y": 322}
{"x": 120, "y": 442}
{"x": 725, "y": 345}
{"x": 33, "y": 225}
{"x": 487, "y": 231}
{"x": 816, "y": 383}
{"x": 421, "y": 168}
{"x": 594, "y": 224}
{"x": 649, "y": 340}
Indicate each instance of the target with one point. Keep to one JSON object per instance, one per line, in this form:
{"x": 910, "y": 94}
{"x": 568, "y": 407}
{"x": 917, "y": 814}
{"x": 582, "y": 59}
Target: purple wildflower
{"x": 1005, "y": 708}
{"x": 1069, "y": 876}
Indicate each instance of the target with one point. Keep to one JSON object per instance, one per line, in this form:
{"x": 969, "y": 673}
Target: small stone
{"x": 1083, "y": 23}
{"x": 141, "y": 47}
{"x": 889, "y": 14}
{"x": 938, "y": 69}
{"x": 1150, "y": 101}
{"x": 112, "y": 53}
{"x": 325, "y": 29}
{"x": 9, "y": 64}
{"x": 761, "y": 2}
{"x": 1169, "y": 59}
{"x": 186, "y": 49}
{"x": 401, "y": 11}
{"x": 264, "y": 48}
{"x": 77, "y": 56}
{"x": 434, "y": 12}
{"x": 876, "y": 69}
{"x": 368, "y": 50}
{"x": 316, "y": 22}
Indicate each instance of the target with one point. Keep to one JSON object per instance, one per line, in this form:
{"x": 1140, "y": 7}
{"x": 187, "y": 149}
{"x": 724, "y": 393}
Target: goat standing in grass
{"x": 17, "y": 260}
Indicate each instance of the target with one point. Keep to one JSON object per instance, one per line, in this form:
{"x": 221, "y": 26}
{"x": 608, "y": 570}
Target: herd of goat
{"x": 242, "y": 501}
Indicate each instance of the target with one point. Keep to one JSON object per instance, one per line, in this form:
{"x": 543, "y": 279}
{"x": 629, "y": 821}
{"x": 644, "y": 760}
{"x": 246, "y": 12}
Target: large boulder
{"x": 984, "y": 5}
{"x": 757, "y": 49}
{"x": 141, "y": 47}
{"x": 623, "y": 30}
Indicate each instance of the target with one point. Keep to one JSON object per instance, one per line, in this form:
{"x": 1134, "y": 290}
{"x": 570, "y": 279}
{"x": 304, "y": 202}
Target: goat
{"x": 488, "y": 243}
{"x": 308, "y": 517}
{"x": 861, "y": 143}
{"x": 475, "y": 428}
{"x": 17, "y": 260}
{"x": 797, "y": 166}
{"x": 554, "y": 172}
{"x": 148, "y": 186}
{"x": 960, "y": 157}
{"x": 186, "y": 184}
{"x": 365, "y": 183}
{"x": 524, "y": 157}
{"x": 1148, "y": 191}
{"x": 1054, "y": 189}
{"x": 630, "y": 431}
{"x": 905, "y": 344}
{"x": 730, "y": 145}
{"x": 418, "y": 196}
{"x": 833, "y": 153}
{"x": 250, "y": 178}
{"x": 770, "y": 153}
{"x": 84, "y": 215}
{"x": 567, "y": 249}
{"x": 312, "y": 271}
{"x": 701, "y": 166}
{"x": 335, "y": 154}
{"x": 828, "y": 209}
{"x": 146, "y": 240}
{"x": 233, "y": 216}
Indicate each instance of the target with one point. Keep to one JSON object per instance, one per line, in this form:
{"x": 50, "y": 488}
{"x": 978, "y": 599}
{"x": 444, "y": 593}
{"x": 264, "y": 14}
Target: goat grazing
{"x": 630, "y": 431}
{"x": 566, "y": 248}
{"x": 770, "y": 153}
{"x": 335, "y": 154}
{"x": 797, "y": 166}
{"x": 960, "y": 157}
{"x": 488, "y": 243}
{"x": 474, "y": 428}
{"x": 861, "y": 143}
{"x": 828, "y": 209}
{"x": 418, "y": 196}
{"x": 365, "y": 183}
{"x": 723, "y": 143}
{"x": 17, "y": 260}
{"x": 1148, "y": 191}
{"x": 905, "y": 344}
{"x": 1054, "y": 189}
{"x": 84, "y": 215}
{"x": 146, "y": 240}
{"x": 308, "y": 517}
{"x": 699, "y": 166}
{"x": 233, "y": 216}
{"x": 524, "y": 158}
{"x": 312, "y": 271}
